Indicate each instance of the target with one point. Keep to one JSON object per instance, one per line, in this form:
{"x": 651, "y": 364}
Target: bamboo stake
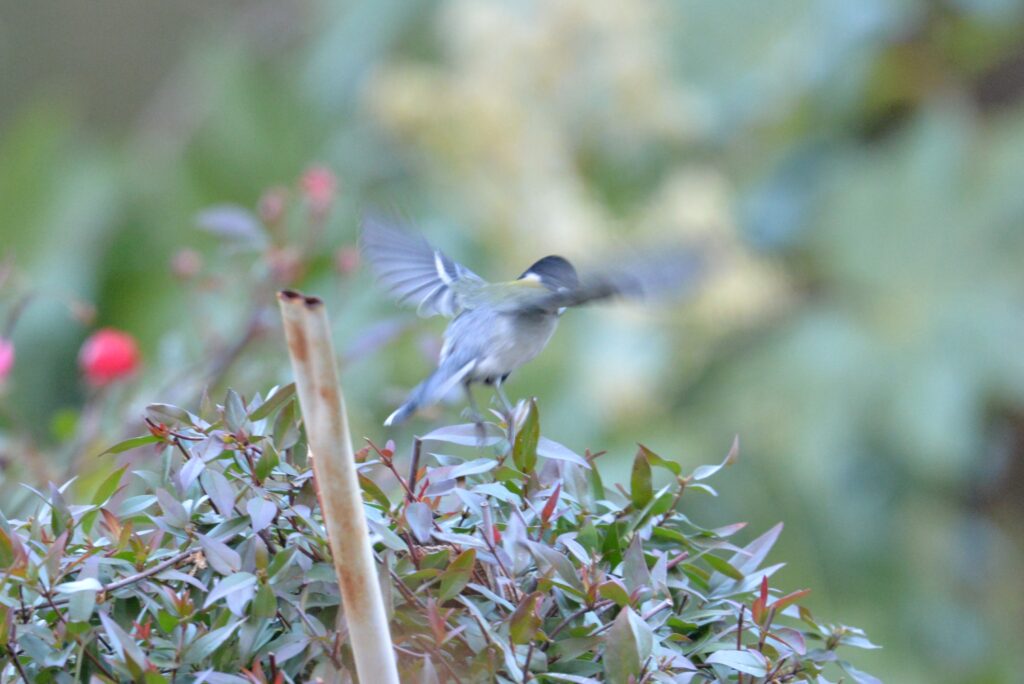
{"x": 323, "y": 409}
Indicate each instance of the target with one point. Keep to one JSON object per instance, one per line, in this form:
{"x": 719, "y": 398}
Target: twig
{"x": 17, "y": 664}
{"x": 739, "y": 639}
{"x": 137, "y": 577}
{"x": 388, "y": 462}
{"x": 414, "y": 466}
{"x": 597, "y": 607}
{"x": 526, "y": 663}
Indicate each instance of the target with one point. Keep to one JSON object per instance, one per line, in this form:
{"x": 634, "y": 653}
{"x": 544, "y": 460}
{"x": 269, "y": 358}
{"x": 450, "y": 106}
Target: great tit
{"x": 498, "y": 327}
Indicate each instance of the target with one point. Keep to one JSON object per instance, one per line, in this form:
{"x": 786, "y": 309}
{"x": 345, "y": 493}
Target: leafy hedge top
{"x": 504, "y": 558}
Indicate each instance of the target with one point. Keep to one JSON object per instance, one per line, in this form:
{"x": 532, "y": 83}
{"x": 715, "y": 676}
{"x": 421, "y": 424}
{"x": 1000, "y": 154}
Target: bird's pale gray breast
{"x": 499, "y": 343}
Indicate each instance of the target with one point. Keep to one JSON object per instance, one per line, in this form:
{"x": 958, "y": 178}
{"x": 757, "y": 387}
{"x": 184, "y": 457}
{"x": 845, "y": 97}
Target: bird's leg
{"x": 474, "y": 413}
{"x": 500, "y": 391}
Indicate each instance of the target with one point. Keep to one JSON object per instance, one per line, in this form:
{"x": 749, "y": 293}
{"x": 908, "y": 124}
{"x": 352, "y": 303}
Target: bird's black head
{"x": 553, "y": 272}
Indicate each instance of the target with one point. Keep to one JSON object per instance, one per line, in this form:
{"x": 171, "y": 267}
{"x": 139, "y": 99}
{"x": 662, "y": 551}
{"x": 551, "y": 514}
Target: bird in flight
{"x": 498, "y": 327}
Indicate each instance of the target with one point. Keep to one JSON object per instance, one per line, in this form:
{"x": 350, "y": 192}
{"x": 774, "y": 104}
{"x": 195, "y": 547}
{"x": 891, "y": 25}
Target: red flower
{"x": 108, "y": 355}
{"x": 319, "y": 187}
{"x": 6, "y": 357}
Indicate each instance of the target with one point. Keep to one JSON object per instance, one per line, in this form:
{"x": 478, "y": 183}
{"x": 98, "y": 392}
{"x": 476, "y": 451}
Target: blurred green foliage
{"x": 862, "y": 162}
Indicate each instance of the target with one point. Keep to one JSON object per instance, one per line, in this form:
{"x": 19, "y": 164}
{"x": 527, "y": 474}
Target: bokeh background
{"x": 861, "y": 163}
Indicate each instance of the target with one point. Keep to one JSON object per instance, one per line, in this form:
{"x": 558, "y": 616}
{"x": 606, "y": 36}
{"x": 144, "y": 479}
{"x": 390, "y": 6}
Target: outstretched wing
{"x": 414, "y": 271}
{"x": 653, "y": 274}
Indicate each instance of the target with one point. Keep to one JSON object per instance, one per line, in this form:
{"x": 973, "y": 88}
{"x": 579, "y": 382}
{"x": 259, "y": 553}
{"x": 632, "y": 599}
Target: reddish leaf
{"x": 525, "y": 620}
{"x": 437, "y": 621}
{"x": 789, "y": 599}
{"x": 549, "y": 507}
{"x": 758, "y": 606}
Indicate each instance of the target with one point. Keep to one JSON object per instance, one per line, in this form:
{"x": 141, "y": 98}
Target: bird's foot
{"x": 478, "y": 420}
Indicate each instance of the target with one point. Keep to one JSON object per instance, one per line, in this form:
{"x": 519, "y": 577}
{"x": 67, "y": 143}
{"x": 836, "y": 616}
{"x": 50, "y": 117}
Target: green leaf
{"x": 168, "y": 414}
{"x": 628, "y": 643}
{"x": 124, "y": 644}
{"x": 373, "y": 490}
{"x": 524, "y": 449}
{"x": 656, "y": 460}
{"x": 748, "y": 559}
{"x": 134, "y": 505}
{"x": 286, "y": 427}
{"x": 548, "y": 557}
{"x": 613, "y": 590}
{"x": 641, "y": 490}
{"x": 612, "y": 547}
{"x": 589, "y": 537}
{"x": 596, "y": 485}
{"x": 264, "y": 606}
{"x": 572, "y": 679}
{"x": 723, "y": 566}
{"x": 273, "y": 402}
{"x": 220, "y": 491}
{"x": 525, "y": 621}
{"x": 551, "y": 449}
{"x": 228, "y": 585}
{"x": 455, "y": 578}
{"x": 87, "y": 584}
{"x": 261, "y": 512}
{"x": 108, "y": 486}
{"x": 466, "y": 434}
{"x": 203, "y": 647}
{"x": 705, "y": 471}
{"x": 81, "y": 605}
{"x": 132, "y": 443}
{"x": 748, "y": 662}
{"x": 60, "y": 515}
{"x": 102, "y": 495}
{"x": 420, "y": 520}
{"x": 174, "y": 513}
{"x": 634, "y": 567}
{"x": 220, "y": 556}
{"x": 268, "y": 460}
{"x": 234, "y": 411}
{"x": 853, "y": 637}
{"x": 858, "y": 676}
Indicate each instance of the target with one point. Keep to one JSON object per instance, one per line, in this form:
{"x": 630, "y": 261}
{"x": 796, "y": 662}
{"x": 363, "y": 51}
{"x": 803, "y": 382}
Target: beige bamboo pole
{"x": 323, "y": 409}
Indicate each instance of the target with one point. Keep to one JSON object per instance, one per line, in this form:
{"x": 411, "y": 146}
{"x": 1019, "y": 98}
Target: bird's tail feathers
{"x": 403, "y": 412}
{"x": 449, "y": 374}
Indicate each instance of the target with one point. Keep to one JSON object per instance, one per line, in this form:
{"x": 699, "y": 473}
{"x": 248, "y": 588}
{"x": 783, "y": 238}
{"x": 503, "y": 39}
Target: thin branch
{"x": 597, "y": 607}
{"x": 414, "y": 466}
{"x": 137, "y": 577}
{"x": 17, "y": 664}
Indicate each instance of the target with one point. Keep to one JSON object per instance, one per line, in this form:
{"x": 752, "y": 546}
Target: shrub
{"x": 506, "y": 559}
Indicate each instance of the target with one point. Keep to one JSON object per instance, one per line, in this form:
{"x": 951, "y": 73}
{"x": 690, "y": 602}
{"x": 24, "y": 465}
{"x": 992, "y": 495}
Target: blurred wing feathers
{"x": 415, "y": 272}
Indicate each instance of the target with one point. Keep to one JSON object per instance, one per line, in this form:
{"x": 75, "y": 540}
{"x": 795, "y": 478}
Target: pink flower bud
{"x": 108, "y": 355}
{"x": 319, "y": 187}
{"x": 186, "y": 263}
{"x": 272, "y": 205}
{"x": 6, "y": 358}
